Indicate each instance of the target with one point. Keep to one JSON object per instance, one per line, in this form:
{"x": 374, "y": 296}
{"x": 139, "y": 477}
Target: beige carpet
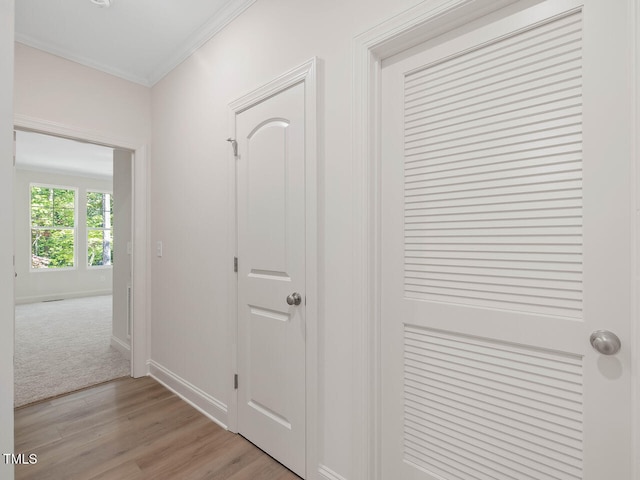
{"x": 63, "y": 346}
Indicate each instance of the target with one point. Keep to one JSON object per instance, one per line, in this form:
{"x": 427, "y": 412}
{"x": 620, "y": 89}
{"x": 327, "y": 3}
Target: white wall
{"x": 6, "y": 234}
{"x": 122, "y": 184}
{"x": 62, "y": 92}
{"x": 34, "y": 285}
{"x": 62, "y": 97}
{"x": 189, "y": 183}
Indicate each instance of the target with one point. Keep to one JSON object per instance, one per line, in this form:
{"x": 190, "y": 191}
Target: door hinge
{"x": 14, "y": 148}
{"x": 235, "y": 264}
{"x": 235, "y": 381}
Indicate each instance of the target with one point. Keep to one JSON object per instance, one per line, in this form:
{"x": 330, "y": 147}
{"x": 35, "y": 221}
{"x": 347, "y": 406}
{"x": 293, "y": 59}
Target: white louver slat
{"x": 477, "y": 408}
{"x": 493, "y": 174}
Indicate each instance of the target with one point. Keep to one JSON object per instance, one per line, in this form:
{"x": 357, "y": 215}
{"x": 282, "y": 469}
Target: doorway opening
{"x": 73, "y": 261}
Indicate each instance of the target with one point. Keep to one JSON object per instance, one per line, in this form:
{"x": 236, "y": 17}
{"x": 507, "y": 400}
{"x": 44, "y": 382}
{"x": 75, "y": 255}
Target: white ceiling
{"x": 45, "y": 153}
{"x": 139, "y": 40}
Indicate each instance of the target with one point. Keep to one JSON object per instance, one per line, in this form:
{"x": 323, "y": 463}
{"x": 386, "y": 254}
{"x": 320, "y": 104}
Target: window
{"x": 53, "y": 229}
{"x": 99, "y": 229}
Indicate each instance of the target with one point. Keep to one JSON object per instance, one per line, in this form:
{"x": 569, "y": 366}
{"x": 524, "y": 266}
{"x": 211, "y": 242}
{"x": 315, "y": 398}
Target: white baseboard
{"x": 201, "y": 401}
{"x": 121, "y": 346}
{"x": 60, "y": 296}
{"x": 326, "y": 473}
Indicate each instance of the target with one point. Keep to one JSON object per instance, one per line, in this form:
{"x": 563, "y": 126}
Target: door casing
{"x": 408, "y": 29}
{"x": 305, "y": 73}
{"x": 139, "y": 268}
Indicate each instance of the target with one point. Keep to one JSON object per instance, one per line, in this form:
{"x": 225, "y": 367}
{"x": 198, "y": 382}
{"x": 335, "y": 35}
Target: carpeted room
{"x": 62, "y": 346}
{"x": 72, "y": 312}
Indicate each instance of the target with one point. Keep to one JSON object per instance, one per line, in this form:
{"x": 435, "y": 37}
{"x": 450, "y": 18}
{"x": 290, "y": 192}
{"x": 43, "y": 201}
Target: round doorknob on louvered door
{"x": 294, "y": 299}
{"x": 605, "y": 342}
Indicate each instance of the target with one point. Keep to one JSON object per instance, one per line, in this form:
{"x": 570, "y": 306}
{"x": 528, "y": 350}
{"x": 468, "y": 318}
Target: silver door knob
{"x": 605, "y": 342}
{"x": 294, "y": 299}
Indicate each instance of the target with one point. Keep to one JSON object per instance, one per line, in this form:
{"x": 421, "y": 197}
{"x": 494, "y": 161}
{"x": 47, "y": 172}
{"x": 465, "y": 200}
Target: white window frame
{"x": 74, "y": 228}
{"x": 93, "y": 229}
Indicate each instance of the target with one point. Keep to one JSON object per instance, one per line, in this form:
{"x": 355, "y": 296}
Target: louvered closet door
{"x": 506, "y": 215}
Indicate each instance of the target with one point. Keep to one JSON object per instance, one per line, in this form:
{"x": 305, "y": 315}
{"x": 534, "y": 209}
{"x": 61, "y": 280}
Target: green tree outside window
{"x": 52, "y": 227}
{"x": 99, "y": 229}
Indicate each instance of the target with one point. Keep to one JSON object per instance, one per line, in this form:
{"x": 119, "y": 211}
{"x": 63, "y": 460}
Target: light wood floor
{"x": 132, "y": 429}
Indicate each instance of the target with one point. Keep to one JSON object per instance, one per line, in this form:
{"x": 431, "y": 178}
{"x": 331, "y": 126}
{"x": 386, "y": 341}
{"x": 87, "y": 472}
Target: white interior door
{"x": 506, "y": 241}
{"x": 271, "y": 274}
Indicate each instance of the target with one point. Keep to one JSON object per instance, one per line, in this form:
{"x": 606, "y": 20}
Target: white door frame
{"x": 410, "y": 28}
{"x": 140, "y": 221}
{"x": 305, "y": 73}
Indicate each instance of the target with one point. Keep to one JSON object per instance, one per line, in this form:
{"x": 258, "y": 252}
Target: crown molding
{"x": 214, "y": 25}
{"x": 87, "y": 62}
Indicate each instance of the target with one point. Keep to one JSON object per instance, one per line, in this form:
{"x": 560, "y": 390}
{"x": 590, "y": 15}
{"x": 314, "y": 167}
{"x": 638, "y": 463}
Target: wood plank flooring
{"x": 133, "y": 429}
